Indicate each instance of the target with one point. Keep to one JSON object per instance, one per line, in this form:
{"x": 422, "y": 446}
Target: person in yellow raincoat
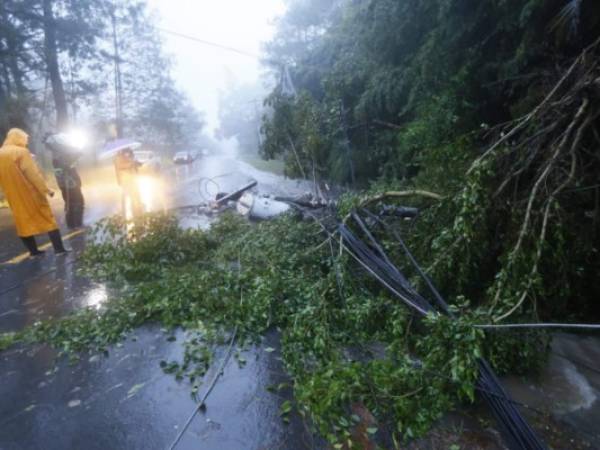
{"x": 126, "y": 168}
{"x": 25, "y": 190}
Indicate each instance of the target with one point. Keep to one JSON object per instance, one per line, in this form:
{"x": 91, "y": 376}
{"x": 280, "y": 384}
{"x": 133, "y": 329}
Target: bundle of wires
{"x": 517, "y": 433}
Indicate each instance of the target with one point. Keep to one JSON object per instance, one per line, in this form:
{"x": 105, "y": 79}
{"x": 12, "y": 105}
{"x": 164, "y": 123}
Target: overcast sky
{"x": 200, "y": 70}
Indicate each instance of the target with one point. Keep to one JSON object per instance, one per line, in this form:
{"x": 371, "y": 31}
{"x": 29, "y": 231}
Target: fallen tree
{"x": 252, "y": 278}
{"x": 524, "y": 235}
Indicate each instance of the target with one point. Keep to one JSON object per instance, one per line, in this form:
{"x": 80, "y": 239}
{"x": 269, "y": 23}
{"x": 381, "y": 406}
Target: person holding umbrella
{"x": 126, "y": 168}
{"x": 26, "y": 191}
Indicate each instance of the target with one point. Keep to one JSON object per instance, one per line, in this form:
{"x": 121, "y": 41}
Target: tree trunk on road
{"x": 51, "y": 54}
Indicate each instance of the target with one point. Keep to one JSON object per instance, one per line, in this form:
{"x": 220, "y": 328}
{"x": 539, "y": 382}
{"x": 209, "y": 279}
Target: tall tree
{"x": 153, "y": 110}
{"x": 51, "y": 55}
{"x": 68, "y": 45}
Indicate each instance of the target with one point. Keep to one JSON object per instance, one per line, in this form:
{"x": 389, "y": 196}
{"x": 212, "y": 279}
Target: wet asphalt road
{"x": 124, "y": 400}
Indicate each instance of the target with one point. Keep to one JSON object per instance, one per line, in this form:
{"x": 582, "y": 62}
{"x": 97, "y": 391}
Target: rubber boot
{"x": 31, "y": 245}
{"x": 57, "y": 242}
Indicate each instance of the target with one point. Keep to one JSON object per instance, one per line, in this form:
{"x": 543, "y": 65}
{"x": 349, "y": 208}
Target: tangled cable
{"x": 515, "y": 430}
{"x": 203, "y": 189}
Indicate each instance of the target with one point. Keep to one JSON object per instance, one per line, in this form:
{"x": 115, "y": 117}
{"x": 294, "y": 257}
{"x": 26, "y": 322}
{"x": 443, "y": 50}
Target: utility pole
{"x": 118, "y": 86}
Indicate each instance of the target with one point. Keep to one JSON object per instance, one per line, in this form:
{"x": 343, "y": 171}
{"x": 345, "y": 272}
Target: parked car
{"x": 149, "y": 160}
{"x": 183, "y": 158}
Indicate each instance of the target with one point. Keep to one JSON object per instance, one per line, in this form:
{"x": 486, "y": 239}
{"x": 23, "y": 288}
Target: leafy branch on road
{"x": 343, "y": 340}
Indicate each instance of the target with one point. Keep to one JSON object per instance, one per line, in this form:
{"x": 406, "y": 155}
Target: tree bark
{"x": 51, "y": 54}
{"x": 11, "y": 54}
{"x": 16, "y": 74}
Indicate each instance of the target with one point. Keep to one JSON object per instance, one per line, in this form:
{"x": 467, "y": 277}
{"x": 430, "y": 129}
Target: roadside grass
{"x": 273, "y": 165}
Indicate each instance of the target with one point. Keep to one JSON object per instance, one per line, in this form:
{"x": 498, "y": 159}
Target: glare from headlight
{"x": 147, "y": 188}
{"x": 77, "y": 138}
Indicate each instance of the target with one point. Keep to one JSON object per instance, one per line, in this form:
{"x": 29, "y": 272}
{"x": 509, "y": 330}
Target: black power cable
{"x": 212, "y": 385}
{"x": 360, "y": 254}
{"x": 410, "y": 256}
{"x": 210, "y": 43}
{"x": 514, "y": 428}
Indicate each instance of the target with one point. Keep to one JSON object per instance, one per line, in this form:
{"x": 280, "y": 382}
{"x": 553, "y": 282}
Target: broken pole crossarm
{"x": 236, "y": 194}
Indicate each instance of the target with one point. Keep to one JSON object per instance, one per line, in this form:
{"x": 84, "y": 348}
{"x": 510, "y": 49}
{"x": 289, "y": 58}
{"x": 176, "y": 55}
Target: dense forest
{"x": 98, "y": 63}
{"x": 491, "y": 104}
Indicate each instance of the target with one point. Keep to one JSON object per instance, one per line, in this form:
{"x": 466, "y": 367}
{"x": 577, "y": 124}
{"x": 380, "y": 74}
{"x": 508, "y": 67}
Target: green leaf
{"x": 285, "y": 408}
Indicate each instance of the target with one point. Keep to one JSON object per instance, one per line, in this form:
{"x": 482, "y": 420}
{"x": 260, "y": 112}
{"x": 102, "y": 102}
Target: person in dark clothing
{"x": 64, "y": 160}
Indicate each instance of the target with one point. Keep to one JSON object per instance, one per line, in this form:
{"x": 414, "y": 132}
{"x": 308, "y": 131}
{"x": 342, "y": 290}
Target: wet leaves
{"x": 256, "y": 278}
{"x": 7, "y": 340}
{"x": 135, "y": 389}
{"x": 284, "y": 411}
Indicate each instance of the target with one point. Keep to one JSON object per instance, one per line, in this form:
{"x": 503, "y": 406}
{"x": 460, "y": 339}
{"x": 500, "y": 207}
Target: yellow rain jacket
{"x": 24, "y": 186}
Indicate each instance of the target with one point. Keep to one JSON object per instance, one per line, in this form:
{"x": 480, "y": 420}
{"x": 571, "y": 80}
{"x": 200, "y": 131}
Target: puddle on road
{"x": 49, "y": 296}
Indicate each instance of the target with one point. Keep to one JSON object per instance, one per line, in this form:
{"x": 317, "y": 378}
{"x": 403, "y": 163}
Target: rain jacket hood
{"x": 16, "y": 137}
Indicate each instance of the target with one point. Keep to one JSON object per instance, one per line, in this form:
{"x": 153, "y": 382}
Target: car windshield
{"x": 181, "y": 155}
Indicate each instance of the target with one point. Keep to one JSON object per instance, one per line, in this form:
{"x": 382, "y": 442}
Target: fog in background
{"x": 203, "y": 71}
